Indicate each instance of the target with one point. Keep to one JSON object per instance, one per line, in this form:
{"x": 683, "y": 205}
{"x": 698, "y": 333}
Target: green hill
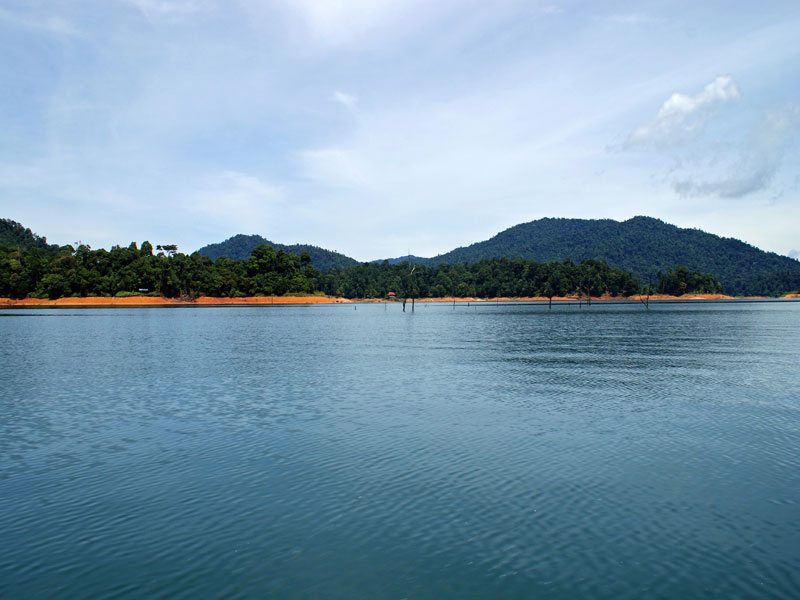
{"x": 14, "y": 235}
{"x": 641, "y": 245}
{"x": 409, "y": 258}
{"x": 240, "y": 246}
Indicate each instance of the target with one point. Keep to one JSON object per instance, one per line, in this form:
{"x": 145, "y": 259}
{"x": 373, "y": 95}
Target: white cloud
{"x": 236, "y": 201}
{"x": 759, "y": 159}
{"x": 52, "y": 24}
{"x": 340, "y": 23}
{"x": 349, "y": 101}
{"x": 682, "y": 113}
{"x": 336, "y": 168}
{"x": 633, "y": 19}
{"x": 470, "y": 162}
{"x": 463, "y": 118}
{"x": 169, "y": 8}
{"x": 342, "y": 20}
{"x": 552, "y": 9}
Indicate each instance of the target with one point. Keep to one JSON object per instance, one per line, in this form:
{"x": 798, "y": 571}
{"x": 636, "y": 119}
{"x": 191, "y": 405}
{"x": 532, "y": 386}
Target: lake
{"x": 340, "y": 451}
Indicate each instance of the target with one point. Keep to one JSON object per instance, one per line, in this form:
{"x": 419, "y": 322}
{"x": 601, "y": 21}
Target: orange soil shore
{"x": 133, "y": 301}
{"x": 576, "y": 299}
{"x": 572, "y": 298}
{"x": 144, "y": 301}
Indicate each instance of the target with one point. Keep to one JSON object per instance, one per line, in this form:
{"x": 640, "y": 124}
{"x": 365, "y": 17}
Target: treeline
{"x": 123, "y": 271}
{"x": 484, "y": 279}
{"x": 73, "y": 272}
{"x": 644, "y": 246}
{"x": 13, "y": 234}
{"x": 681, "y": 280}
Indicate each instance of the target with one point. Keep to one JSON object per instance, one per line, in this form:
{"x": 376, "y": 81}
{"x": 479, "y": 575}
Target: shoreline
{"x": 159, "y": 302}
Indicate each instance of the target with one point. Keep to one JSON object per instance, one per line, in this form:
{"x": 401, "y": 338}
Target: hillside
{"x": 642, "y": 245}
{"x": 410, "y": 258}
{"x": 14, "y": 235}
{"x": 240, "y": 246}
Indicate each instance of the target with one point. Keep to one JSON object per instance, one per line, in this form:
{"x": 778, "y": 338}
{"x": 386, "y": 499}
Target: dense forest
{"x": 14, "y": 235}
{"x": 164, "y": 272}
{"x": 484, "y": 279}
{"x": 680, "y": 281}
{"x": 29, "y": 266}
{"x": 239, "y": 247}
{"x": 133, "y": 270}
{"x": 643, "y": 246}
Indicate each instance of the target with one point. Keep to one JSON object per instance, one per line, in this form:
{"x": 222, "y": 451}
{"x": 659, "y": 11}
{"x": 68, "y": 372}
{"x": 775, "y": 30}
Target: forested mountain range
{"x": 240, "y": 246}
{"x": 642, "y": 245}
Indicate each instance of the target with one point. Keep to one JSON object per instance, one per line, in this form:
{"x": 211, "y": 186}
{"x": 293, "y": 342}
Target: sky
{"x": 379, "y": 128}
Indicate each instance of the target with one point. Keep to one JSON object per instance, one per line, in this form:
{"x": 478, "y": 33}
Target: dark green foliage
{"x": 642, "y": 245}
{"x": 44, "y": 271}
{"x": 125, "y": 271}
{"x": 417, "y": 260}
{"x": 129, "y": 271}
{"x": 680, "y": 280}
{"x": 484, "y": 279}
{"x": 778, "y": 283}
{"x": 239, "y": 247}
{"x": 14, "y": 235}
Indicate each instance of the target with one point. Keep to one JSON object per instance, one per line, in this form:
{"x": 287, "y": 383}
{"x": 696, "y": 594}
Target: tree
{"x": 170, "y": 249}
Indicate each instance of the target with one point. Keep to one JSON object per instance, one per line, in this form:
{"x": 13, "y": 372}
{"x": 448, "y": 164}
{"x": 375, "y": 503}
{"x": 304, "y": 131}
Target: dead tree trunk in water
{"x": 411, "y": 287}
{"x": 646, "y": 301}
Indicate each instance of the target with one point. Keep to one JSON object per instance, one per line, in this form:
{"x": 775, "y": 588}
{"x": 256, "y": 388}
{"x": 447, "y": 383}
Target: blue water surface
{"x": 490, "y": 451}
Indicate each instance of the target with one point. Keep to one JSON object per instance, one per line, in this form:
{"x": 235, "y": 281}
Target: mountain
{"x": 641, "y": 245}
{"x": 240, "y": 246}
{"x": 14, "y": 235}
{"x": 418, "y": 260}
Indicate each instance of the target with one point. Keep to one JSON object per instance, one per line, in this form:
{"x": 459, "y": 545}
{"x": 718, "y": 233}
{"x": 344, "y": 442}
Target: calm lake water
{"x": 328, "y": 452}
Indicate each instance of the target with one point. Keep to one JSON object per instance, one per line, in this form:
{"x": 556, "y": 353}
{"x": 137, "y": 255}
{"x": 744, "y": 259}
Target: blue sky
{"x": 378, "y": 128}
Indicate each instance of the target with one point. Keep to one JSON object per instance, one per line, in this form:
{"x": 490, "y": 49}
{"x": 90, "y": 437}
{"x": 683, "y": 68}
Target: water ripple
{"x": 478, "y": 452}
